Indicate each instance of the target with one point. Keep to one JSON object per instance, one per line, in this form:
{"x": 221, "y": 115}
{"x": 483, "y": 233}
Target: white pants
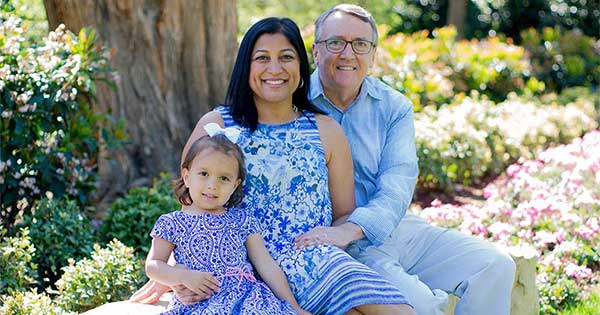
{"x": 425, "y": 262}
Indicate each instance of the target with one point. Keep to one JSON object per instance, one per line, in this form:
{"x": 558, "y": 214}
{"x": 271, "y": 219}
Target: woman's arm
{"x": 339, "y": 166}
{"x": 157, "y": 269}
{"x": 198, "y": 132}
{"x": 341, "y": 189}
{"x": 269, "y": 271}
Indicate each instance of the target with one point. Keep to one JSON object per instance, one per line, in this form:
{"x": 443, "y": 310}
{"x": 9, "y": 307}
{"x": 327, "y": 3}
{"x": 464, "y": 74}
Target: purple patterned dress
{"x": 215, "y": 243}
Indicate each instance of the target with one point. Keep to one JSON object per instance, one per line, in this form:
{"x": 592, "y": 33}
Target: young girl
{"x": 214, "y": 240}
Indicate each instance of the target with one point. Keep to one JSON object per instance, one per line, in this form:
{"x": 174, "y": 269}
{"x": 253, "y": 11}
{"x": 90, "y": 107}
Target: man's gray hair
{"x": 350, "y": 9}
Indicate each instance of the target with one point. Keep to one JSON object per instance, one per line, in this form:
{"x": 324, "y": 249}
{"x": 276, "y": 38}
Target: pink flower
{"x": 501, "y": 230}
{"x": 589, "y": 230}
{"x": 543, "y": 238}
{"x": 436, "y": 203}
{"x": 578, "y": 272}
{"x": 513, "y": 170}
{"x": 525, "y": 234}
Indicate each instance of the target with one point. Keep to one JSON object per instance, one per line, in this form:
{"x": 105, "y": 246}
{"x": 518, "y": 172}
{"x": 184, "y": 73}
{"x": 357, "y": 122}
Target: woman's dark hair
{"x": 239, "y": 94}
{"x": 218, "y": 143}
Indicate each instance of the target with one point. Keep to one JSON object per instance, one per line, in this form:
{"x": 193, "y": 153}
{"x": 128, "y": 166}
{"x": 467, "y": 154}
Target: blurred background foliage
{"x": 483, "y": 17}
{"x": 519, "y": 77}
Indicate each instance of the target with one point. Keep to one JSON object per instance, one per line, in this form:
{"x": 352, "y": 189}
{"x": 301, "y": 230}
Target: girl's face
{"x": 211, "y": 179}
{"x": 274, "y": 70}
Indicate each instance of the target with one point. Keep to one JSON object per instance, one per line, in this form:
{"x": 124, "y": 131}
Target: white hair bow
{"x": 231, "y": 133}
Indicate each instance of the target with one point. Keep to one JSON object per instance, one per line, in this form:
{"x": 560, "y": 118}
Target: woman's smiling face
{"x": 274, "y": 70}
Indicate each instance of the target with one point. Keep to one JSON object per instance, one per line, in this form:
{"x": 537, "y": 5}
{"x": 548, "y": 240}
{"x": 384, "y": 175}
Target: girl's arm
{"x": 157, "y": 269}
{"x": 269, "y": 271}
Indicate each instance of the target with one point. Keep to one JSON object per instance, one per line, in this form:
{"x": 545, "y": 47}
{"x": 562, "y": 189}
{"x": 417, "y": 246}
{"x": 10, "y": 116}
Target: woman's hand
{"x": 188, "y": 296}
{"x": 150, "y": 293}
{"x": 340, "y": 236}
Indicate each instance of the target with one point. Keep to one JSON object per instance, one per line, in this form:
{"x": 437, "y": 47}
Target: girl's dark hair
{"x": 239, "y": 94}
{"x": 219, "y": 143}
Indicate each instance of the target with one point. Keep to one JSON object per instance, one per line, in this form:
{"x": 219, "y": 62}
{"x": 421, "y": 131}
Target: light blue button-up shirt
{"x": 380, "y": 128}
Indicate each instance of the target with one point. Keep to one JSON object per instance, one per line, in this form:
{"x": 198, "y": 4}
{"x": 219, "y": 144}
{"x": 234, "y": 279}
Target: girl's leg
{"x": 353, "y": 312}
{"x": 386, "y": 309}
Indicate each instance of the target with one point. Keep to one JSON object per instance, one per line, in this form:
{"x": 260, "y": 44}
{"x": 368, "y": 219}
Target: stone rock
{"x": 129, "y": 308}
{"x": 524, "y": 299}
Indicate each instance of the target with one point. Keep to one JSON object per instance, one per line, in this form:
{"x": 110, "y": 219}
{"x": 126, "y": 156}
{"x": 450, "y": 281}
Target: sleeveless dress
{"x": 215, "y": 243}
{"x": 286, "y": 189}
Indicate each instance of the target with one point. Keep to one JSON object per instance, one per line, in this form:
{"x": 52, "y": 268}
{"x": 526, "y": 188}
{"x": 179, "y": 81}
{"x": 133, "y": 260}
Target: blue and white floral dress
{"x": 286, "y": 189}
{"x": 215, "y": 243}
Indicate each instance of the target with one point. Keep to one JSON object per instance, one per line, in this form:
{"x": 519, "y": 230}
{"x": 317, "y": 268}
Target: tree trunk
{"x": 456, "y": 15}
{"x": 173, "y": 59}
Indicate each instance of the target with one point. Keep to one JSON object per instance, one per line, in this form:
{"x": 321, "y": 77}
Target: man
{"x": 422, "y": 260}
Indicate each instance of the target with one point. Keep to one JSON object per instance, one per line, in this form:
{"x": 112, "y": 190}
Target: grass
{"x": 589, "y": 306}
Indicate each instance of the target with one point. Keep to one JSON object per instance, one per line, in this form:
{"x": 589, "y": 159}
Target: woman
{"x": 297, "y": 172}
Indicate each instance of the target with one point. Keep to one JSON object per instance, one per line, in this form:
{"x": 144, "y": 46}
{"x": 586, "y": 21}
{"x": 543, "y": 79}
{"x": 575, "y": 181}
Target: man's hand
{"x": 149, "y": 293}
{"x": 340, "y": 236}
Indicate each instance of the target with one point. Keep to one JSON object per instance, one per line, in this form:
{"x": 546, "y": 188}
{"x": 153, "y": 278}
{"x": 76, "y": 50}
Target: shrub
{"x": 548, "y": 206}
{"x": 60, "y": 231}
{"x": 16, "y": 258}
{"x": 30, "y": 303}
{"x": 50, "y": 133}
{"x": 563, "y": 59}
{"x": 111, "y": 274}
{"x": 131, "y": 218}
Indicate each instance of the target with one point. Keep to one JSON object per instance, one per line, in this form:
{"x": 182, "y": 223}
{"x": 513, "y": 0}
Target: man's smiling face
{"x": 344, "y": 70}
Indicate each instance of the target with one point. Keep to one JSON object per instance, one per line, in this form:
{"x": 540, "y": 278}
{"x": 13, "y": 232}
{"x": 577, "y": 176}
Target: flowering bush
{"x": 30, "y": 303}
{"x": 16, "y": 258}
{"x": 111, "y": 274}
{"x": 131, "y": 218}
{"x": 59, "y": 230}
{"x": 50, "y": 134}
{"x": 549, "y": 207}
{"x": 468, "y": 140}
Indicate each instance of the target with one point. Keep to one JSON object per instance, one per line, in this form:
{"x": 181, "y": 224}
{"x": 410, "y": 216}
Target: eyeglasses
{"x": 336, "y": 45}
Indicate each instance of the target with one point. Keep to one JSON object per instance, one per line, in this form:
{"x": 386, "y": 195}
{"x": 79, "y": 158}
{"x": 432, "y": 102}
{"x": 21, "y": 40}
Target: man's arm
{"x": 397, "y": 176}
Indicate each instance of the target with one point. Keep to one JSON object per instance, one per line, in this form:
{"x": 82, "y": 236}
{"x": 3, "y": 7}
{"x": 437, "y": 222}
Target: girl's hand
{"x": 203, "y": 283}
{"x": 187, "y": 296}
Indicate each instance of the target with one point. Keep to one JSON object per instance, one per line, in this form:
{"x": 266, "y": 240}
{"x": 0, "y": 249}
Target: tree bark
{"x": 173, "y": 59}
{"x": 456, "y": 15}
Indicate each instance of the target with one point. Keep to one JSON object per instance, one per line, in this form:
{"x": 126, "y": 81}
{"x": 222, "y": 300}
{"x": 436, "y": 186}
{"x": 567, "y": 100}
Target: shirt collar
{"x": 367, "y": 88}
